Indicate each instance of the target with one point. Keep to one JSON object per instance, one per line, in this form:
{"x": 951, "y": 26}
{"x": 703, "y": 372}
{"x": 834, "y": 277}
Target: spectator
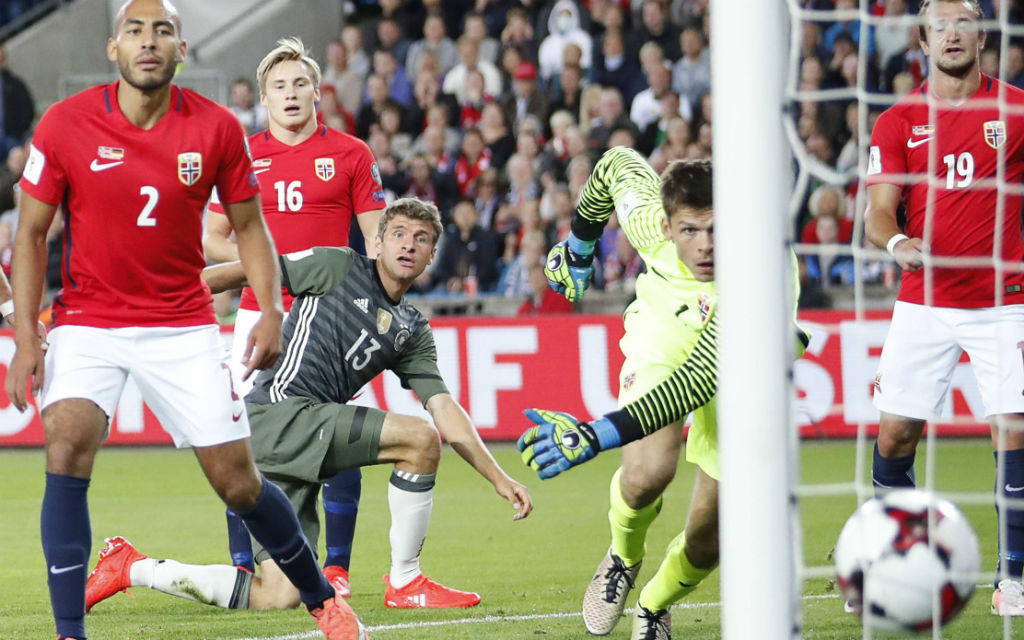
{"x": 524, "y": 98}
{"x": 828, "y": 265}
{"x": 421, "y": 183}
{"x": 566, "y": 96}
{"x": 849, "y": 27}
{"x": 557, "y": 147}
{"x": 392, "y": 179}
{"x": 652, "y": 55}
{"x": 10, "y": 173}
{"x": 466, "y": 251}
{"x": 691, "y": 74}
{"x": 330, "y": 108}
{"x": 543, "y": 299}
{"x": 427, "y": 95}
{"x": 810, "y": 41}
{"x": 488, "y": 199}
{"x": 469, "y": 58}
{"x": 522, "y": 182}
{"x": 376, "y": 98}
{"x": 435, "y": 41}
{"x": 842, "y": 47}
{"x": 17, "y": 110}
{"x": 616, "y": 69}
{"x": 850, "y": 152}
{"x": 613, "y": 19}
{"x": 622, "y": 265}
{"x": 611, "y": 116}
{"x": 385, "y": 65}
{"x": 391, "y": 37}
{"x": 391, "y": 124}
{"x": 243, "y": 104}
{"x": 674, "y": 147}
{"x": 475, "y": 158}
{"x": 577, "y": 173}
{"x": 646, "y": 108}
{"x": 1015, "y": 65}
{"x": 518, "y": 34}
{"x": 891, "y": 34}
{"x": 590, "y": 108}
{"x": 472, "y": 108}
{"x": 655, "y": 27}
{"x": 352, "y": 39}
{"x": 431, "y": 144}
{"x": 338, "y": 73}
{"x": 563, "y": 29}
{"x": 496, "y": 135}
{"x": 654, "y": 134}
{"x": 989, "y": 61}
{"x": 516, "y": 279}
{"x": 439, "y": 116}
{"x": 475, "y": 28}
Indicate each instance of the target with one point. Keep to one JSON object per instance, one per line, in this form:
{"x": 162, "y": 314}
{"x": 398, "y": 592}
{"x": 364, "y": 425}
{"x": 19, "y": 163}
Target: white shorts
{"x": 182, "y": 373}
{"x": 924, "y": 345}
{"x": 245, "y": 320}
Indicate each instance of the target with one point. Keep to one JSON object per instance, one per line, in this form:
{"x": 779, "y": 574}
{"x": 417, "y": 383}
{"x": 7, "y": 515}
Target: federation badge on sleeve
{"x": 706, "y": 304}
{"x": 190, "y": 167}
{"x": 324, "y": 168}
{"x": 995, "y": 133}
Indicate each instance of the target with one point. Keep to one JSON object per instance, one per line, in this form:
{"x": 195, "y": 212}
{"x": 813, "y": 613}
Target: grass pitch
{"x": 531, "y": 574}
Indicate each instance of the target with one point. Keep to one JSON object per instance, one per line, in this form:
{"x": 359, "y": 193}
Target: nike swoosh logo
{"x": 235, "y": 417}
{"x": 1013, "y": 489}
{"x": 55, "y": 571}
{"x": 260, "y": 170}
{"x": 911, "y": 143}
{"x": 96, "y": 165}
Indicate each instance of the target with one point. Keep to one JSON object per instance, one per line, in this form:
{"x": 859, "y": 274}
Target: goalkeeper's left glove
{"x": 560, "y": 441}
{"x": 569, "y": 268}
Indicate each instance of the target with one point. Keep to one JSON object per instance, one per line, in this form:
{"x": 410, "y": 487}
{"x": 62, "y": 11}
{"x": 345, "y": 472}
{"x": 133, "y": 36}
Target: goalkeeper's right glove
{"x": 569, "y": 273}
{"x": 560, "y": 441}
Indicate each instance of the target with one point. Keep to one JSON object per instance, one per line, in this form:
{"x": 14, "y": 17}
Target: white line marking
{"x": 487, "y": 619}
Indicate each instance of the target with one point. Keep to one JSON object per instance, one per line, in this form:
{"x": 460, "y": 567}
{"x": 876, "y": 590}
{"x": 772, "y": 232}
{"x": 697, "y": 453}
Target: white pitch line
{"x": 487, "y": 619}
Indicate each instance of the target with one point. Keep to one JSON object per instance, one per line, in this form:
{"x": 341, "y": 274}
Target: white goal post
{"x": 752, "y": 182}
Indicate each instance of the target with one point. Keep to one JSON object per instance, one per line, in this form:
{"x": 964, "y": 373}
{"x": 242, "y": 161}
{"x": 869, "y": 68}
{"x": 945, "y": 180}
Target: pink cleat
{"x": 112, "y": 572}
{"x": 424, "y": 593}
{"x": 338, "y": 577}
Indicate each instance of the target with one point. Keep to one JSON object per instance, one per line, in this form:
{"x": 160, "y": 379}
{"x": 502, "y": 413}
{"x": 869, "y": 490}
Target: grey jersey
{"x": 343, "y": 330}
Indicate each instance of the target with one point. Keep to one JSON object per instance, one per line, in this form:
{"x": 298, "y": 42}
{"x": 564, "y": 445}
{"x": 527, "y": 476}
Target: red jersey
{"x": 133, "y": 202}
{"x": 310, "y": 191}
{"x": 966, "y": 142}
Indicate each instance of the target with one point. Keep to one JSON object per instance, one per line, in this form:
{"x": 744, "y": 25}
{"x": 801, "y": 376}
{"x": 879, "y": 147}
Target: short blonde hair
{"x": 287, "y": 49}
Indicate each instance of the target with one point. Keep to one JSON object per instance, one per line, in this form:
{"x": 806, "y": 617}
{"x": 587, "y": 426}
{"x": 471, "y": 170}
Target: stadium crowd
{"x": 496, "y": 110}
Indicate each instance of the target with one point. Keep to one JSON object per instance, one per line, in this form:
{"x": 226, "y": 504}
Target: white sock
{"x": 411, "y": 499}
{"x": 220, "y": 585}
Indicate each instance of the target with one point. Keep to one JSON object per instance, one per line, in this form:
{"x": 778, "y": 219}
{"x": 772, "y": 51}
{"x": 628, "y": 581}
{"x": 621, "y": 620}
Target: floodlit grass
{"x": 531, "y": 574}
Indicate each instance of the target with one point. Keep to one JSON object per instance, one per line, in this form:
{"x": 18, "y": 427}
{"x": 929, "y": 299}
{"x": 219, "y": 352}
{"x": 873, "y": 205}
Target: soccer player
{"x": 349, "y": 323}
{"x": 669, "y": 371}
{"x": 313, "y": 180}
{"x": 940, "y": 150}
{"x": 133, "y": 178}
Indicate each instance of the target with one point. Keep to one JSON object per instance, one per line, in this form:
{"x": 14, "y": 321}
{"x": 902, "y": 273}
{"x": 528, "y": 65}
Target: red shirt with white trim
{"x": 310, "y": 191}
{"x": 965, "y": 145}
{"x": 133, "y": 202}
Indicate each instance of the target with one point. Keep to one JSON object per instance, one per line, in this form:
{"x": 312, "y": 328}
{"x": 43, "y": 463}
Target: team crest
{"x": 110, "y": 153}
{"x": 400, "y": 339}
{"x": 190, "y": 167}
{"x": 383, "y": 321}
{"x": 995, "y": 133}
{"x": 628, "y": 381}
{"x": 324, "y": 168}
{"x": 705, "y": 303}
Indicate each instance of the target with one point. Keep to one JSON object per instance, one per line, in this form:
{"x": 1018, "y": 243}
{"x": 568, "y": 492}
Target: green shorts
{"x": 299, "y": 444}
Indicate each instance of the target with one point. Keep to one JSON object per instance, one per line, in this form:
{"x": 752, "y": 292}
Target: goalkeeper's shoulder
{"x": 624, "y": 163}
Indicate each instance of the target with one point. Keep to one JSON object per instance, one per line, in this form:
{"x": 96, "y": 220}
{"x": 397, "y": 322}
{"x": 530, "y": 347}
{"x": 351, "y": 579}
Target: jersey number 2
{"x": 152, "y": 197}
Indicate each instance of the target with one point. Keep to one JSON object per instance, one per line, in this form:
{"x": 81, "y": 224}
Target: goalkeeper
{"x": 669, "y": 371}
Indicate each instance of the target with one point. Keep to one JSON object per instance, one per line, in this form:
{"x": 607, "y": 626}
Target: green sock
{"x": 675, "y": 578}
{"x": 629, "y": 526}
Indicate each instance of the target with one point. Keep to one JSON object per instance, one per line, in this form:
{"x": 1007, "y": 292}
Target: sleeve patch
{"x": 34, "y": 165}
{"x": 625, "y": 206}
{"x": 874, "y": 160}
{"x": 298, "y": 255}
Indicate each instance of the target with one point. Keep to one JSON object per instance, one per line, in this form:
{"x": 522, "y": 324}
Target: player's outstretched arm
{"x": 225, "y": 277}
{"x": 457, "y": 428}
{"x": 368, "y": 221}
{"x": 559, "y": 441}
{"x": 28, "y": 268}
{"x": 884, "y": 232}
{"x": 256, "y": 249}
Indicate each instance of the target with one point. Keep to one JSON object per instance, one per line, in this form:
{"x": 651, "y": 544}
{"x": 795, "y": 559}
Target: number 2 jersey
{"x": 133, "y": 202}
{"x": 310, "y": 191}
{"x": 344, "y": 330}
{"x": 963, "y": 146}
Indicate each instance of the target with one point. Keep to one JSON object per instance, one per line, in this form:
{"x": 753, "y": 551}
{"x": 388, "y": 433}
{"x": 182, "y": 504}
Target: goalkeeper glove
{"x": 560, "y": 441}
{"x": 568, "y": 272}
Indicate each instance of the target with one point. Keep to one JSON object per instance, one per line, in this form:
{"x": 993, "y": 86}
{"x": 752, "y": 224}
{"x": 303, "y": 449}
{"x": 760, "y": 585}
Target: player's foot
{"x": 1008, "y": 599}
{"x": 606, "y": 595}
{"x": 651, "y": 625}
{"x": 424, "y": 593}
{"x": 338, "y": 621}
{"x": 112, "y": 572}
{"x": 338, "y": 577}
{"x": 850, "y": 606}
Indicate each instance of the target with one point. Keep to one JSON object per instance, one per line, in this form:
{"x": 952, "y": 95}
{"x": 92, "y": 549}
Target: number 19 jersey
{"x": 133, "y": 202}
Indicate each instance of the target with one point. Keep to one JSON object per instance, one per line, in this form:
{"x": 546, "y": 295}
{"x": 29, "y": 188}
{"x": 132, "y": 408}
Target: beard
{"x": 957, "y": 69}
{"x": 146, "y": 81}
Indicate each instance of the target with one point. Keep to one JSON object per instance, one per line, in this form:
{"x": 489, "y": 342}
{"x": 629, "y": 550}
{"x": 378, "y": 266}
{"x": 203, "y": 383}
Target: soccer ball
{"x": 894, "y": 569}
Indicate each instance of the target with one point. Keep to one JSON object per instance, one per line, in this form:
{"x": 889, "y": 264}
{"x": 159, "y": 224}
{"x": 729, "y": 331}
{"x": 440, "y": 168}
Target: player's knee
{"x": 646, "y": 482}
{"x": 273, "y": 594}
{"x": 426, "y": 443}
{"x": 702, "y": 545}
{"x": 898, "y": 436}
{"x": 236, "y": 493}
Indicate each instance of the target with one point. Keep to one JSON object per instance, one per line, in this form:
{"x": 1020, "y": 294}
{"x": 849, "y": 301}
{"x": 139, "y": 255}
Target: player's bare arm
{"x": 881, "y": 227}
{"x": 256, "y": 250}
{"x": 455, "y": 425}
{"x": 217, "y": 242}
{"x": 225, "y": 277}
{"x": 28, "y": 267}
{"x": 368, "y": 225}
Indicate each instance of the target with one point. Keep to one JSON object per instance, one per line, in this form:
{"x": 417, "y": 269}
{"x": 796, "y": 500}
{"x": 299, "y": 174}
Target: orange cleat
{"x": 424, "y": 593}
{"x": 338, "y": 621}
{"x": 338, "y": 577}
{"x": 112, "y": 572}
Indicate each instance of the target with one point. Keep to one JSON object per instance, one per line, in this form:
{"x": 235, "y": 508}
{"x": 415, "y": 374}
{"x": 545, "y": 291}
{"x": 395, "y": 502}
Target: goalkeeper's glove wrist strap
{"x": 605, "y": 433}
{"x": 582, "y": 248}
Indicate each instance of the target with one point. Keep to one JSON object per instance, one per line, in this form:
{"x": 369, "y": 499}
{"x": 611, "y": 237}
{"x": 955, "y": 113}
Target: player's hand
{"x": 264, "y": 344}
{"x": 568, "y": 273}
{"x": 908, "y": 254}
{"x": 517, "y": 495}
{"x": 559, "y": 441}
{"x": 28, "y": 364}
